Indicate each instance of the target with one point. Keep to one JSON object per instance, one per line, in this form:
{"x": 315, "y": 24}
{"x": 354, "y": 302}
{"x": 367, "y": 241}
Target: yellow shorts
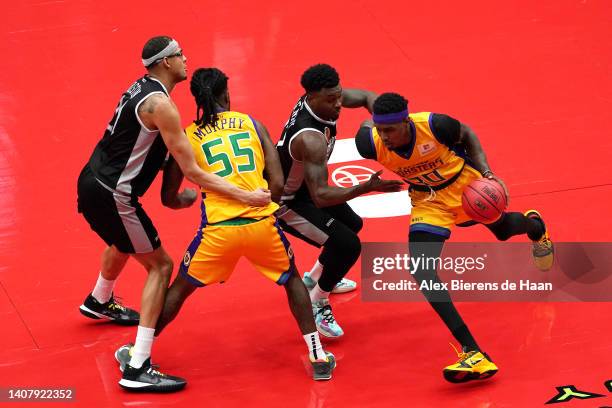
{"x": 437, "y": 212}
{"x": 215, "y": 250}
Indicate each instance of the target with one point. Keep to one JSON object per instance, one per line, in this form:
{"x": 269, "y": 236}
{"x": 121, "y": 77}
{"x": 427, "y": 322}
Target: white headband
{"x": 171, "y": 49}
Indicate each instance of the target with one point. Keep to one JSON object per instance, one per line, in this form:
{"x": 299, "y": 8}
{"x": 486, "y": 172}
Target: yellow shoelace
{"x": 462, "y": 356}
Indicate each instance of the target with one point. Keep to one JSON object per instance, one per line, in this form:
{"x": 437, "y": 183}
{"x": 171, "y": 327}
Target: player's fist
{"x": 259, "y": 198}
{"x": 187, "y": 197}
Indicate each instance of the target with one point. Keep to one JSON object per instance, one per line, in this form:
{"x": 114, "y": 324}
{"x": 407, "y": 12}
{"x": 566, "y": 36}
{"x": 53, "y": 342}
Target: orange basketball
{"x": 484, "y": 200}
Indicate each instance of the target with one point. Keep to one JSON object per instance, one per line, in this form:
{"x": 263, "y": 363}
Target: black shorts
{"x": 301, "y": 218}
{"x": 118, "y": 219}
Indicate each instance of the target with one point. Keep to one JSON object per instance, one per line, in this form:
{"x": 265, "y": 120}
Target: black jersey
{"x": 129, "y": 156}
{"x": 302, "y": 119}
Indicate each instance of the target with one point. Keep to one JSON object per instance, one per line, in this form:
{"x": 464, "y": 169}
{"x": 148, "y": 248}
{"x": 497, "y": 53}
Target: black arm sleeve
{"x": 364, "y": 143}
{"x": 446, "y": 129}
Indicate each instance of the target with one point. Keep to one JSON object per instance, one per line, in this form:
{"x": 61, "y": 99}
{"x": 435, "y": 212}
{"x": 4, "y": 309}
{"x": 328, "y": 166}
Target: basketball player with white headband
{"x": 145, "y": 127}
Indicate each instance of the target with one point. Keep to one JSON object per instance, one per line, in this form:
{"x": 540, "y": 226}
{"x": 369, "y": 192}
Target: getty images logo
{"x": 378, "y": 205}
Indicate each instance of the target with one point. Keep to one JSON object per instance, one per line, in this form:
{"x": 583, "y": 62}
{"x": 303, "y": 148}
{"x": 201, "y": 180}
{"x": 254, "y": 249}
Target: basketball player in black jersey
{"x": 145, "y": 127}
{"x": 311, "y": 209}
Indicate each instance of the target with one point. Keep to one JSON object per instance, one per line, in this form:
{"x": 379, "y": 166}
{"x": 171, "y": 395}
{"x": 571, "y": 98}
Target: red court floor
{"x": 532, "y": 78}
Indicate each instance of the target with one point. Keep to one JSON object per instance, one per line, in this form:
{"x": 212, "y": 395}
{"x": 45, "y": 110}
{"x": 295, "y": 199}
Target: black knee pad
{"x": 343, "y": 243}
{"x": 340, "y": 252}
{"x": 356, "y": 224}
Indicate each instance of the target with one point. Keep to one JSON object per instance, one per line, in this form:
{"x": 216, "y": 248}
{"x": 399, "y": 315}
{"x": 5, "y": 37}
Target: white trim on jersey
{"x": 136, "y": 160}
{"x": 112, "y": 129}
{"x": 138, "y": 105}
{"x": 297, "y": 133}
{"x": 159, "y": 82}
{"x": 110, "y": 189}
{"x": 327, "y": 122}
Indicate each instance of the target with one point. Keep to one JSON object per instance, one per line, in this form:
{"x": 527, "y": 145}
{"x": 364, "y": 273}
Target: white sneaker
{"x": 324, "y": 319}
{"x": 344, "y": 286}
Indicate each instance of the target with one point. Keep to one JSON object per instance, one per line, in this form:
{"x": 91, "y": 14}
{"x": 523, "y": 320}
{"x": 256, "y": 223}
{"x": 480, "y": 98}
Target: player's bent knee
{"x": 167, "y": 268}
{"x": 502, "y": 229}
{"x": 164, "y": 268}
{"x": 293, "y": 283}
{"x": 501, "y": 236}
{"x": 180, "y": 289}
{"x": 357, "y": 225}
{"x": 350, "y": 246}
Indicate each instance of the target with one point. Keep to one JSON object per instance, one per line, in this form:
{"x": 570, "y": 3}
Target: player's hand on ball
{"x": 377, "y": 184}
{"x": 489, "y": 175}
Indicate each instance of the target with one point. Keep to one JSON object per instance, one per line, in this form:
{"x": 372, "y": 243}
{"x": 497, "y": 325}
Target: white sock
{"x": 103, "y": 290}
{"x": 317, "y": 293}
{"x": 315, "y": 349}
{"x": 142, "y": 346}
{"x": 316, "y": 271}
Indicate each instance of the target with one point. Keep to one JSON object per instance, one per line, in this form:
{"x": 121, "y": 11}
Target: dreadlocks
{"x": 207, "y": 85}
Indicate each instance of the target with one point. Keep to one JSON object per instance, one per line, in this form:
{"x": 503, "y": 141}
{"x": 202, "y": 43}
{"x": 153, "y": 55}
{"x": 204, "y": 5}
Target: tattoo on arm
{"x": 149, "y": 104}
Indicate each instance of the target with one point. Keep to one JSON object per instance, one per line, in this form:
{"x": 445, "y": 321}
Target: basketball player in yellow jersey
{"x": 438, "y": 157}
{"x": 236, "y": 147}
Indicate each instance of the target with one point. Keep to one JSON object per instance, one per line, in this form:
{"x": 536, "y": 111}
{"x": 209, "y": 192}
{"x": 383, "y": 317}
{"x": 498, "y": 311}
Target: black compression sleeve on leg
{"x": 340, "y": 252}
{"x": 514, "y": 223}
{"x": 430, "y": 245}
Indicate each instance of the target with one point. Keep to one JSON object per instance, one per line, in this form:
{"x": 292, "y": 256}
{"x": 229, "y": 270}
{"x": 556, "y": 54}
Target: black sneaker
{"x": 123, "y": 355}
{"x": 112, "y": 310}
{"x": 148, "y": 379}
{"x": 322, "y": 370}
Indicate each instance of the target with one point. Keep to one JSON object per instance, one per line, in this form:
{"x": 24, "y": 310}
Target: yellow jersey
{"x": 426, "y": 162}
{"x": 232, "y": 149}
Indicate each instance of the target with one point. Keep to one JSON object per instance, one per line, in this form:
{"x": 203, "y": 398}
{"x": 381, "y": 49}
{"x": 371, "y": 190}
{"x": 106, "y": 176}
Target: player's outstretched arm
{"x": 170, "y": 196}
{"x": 273, "y": 171}
{"x": 167, "y": 119}
{"x": 311, "y": 148}
{"x": 358, "y": 98}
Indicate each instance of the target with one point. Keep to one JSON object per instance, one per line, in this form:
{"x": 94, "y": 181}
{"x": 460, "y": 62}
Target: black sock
{"x": 514, "y": 223}
{"x": 536, "y": 228}
{"x": 465, "y": 338}
{"x": 430, "y": 245}
{"x": 340, "y": 252}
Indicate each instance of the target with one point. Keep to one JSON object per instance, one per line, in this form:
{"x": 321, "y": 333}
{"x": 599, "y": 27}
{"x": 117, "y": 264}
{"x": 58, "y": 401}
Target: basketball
{"x": 484, "y": 200}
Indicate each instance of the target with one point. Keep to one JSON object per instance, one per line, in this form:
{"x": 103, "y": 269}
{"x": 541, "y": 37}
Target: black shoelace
{"x": 326, "y": 312}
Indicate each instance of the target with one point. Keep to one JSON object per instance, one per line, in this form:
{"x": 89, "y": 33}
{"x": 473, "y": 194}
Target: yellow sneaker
{"x": 543, "y": 250}
{"x": 472, "y": 365}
